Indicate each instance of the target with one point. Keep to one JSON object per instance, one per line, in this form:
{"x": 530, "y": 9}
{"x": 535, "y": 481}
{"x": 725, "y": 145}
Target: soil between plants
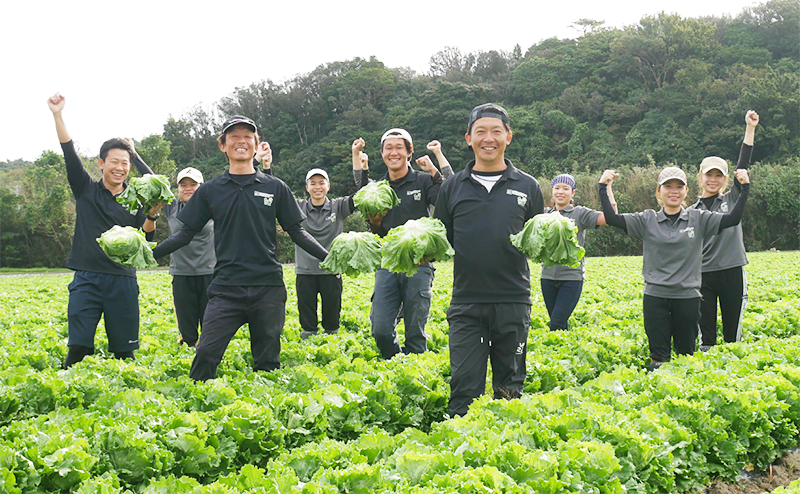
{"x": 782, "y": 472}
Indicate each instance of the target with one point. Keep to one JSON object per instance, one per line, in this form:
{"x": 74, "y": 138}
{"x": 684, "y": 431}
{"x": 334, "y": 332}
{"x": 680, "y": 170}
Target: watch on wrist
{"x": 153, "y": 218}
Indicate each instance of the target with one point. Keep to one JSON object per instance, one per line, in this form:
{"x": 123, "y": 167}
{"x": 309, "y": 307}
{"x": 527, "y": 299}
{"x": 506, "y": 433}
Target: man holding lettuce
{"x": 417, "y": 192}
{"x": 489, "y": 313}
{"x": 247, "y": 287}
{"x": 100, "y": 287}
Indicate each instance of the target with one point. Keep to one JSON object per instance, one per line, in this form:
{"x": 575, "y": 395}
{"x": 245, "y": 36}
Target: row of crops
{"x": 338, "y": 418}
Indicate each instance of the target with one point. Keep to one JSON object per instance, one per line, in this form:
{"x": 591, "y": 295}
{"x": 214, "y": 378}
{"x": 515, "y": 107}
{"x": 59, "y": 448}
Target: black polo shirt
{"x": 417, "y": 192}
{"x": 245, "y": 218}
{"x": 487, "y": 268}
{"x": 96, "y": 211}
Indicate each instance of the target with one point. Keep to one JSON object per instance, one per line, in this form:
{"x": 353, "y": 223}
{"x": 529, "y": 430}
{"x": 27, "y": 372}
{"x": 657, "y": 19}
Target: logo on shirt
{"x": 522, "y": 198}
{"x": 416, "y": 193}
{"x": 267, "y": 197}
{"x": 689, "y": 231}
{"x": 521, "y": 349}
{"x": 332, "y": 218}
{"x": 724, "y": 207}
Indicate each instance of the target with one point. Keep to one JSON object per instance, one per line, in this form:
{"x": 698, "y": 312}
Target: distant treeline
{"x": 667, "y": 90}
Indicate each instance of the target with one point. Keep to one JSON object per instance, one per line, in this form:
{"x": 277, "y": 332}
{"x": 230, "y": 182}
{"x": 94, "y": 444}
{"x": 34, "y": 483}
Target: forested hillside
{"x": 667, "y": 90}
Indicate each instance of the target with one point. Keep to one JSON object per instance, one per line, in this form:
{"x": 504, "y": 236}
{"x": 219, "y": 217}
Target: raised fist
{"x": 608, "y": 177}
{"x": 434, "y": 146}
{"x": 264, "y": 153}
{"x": 358, "y": 145}
{"x": 426, "y": 164}
{"x": 56, "y": 103}
{"x": 751, "y": 118}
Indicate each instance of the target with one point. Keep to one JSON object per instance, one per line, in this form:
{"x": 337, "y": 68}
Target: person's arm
{"x": 263, "y": 156}
{"x": 77, "y": 176}
{"x": 149, "y": 225}
{"x": 442, "y": 212}
{"x": 138, "y": 162}
{"x": 601, "y": 219}
{"x": 436, "y": 148}
{"x": 181, "y": 238}
{"x": 734, "y": 216}
{"x": 610, "y": 215}
{"x": 305, "y": 241}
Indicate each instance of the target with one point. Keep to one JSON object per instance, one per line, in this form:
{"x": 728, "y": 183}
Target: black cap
{"x": 488, "y": 110}
{"x": 238, "y": 119}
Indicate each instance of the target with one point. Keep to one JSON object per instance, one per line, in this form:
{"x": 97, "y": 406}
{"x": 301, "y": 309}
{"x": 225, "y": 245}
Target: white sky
{"x": 125, "y": 67}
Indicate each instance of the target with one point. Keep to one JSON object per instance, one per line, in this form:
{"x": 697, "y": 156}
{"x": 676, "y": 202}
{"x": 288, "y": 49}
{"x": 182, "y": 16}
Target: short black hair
{"x": 116, "y": 143}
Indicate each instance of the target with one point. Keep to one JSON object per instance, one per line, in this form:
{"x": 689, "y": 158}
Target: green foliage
{"x": 145, "y": 192}
{"x": 407, "y": 246}
{"x": 550, "y": 238}
{"x": 376, "y": 198}
{"x": 128, "y": 246}
{"x": 352, "y": 253}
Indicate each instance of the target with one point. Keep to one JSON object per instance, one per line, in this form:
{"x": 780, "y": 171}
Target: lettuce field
{"x": 336, "y": 418}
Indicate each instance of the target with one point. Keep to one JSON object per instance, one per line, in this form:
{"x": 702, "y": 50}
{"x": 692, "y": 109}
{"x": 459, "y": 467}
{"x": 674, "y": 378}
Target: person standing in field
{"x": 490, "y": 310}
{"x": 324, "y": 221}
{"x": 191, "y": 267}
{"x": 562, "y": 285}
{"x": 673, "y": 240}
{"x": 100, "y": 286}
{"x": 724, "y": 256}
{"x": 248, "y": 278}
{"x": 393, "y": 292}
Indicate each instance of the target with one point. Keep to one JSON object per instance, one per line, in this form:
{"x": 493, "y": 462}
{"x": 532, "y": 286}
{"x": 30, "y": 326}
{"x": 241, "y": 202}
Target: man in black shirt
{"x": 248, "y": 279}
{"x": 100, "y": 286}
{"x": 489, "y": 314}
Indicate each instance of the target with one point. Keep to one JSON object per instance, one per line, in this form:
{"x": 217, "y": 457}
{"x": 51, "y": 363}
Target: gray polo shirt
{"x": 323, "y": 224}
{"x": 672, "y": 251}
{"x": 724, "y": 250}
{"x": 584, "y": 219}
{"x": 197, "y": 258}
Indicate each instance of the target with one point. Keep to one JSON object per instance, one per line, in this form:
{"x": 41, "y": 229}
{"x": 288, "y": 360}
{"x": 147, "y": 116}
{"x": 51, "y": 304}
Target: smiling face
{"x": 187, "y": 188}
{"x": 239, "y": 143}
{"x": 317, "y": 188}
{"x": 712, "y": 182}
{"x": 488, "y": 138}
{"x": 562, "y": 195}
{"x": 395, "y": 154}
{"x": 672, "y": 194}
{"x": 115, "y": 168}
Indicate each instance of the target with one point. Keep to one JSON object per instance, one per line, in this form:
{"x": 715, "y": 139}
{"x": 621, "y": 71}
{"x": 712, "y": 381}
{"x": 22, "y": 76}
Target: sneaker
{"x": 335, "y": 331}
{"x": 705, "y": 348}
{"x": 304, "y": 335}
{"x": 655, "y": 364}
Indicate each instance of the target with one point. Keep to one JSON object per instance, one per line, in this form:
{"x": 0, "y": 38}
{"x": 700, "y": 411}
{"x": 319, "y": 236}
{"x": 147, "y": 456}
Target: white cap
{"x": 712, "y": 162}
{"x": 317, "y": 171}
{"x": 671, "y": 172}
{"x": 192, "y": 173}
{"x": 397, "y": 134}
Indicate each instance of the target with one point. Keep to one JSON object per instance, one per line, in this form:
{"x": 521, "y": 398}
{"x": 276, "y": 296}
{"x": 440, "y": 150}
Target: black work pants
{"x": 329, "y": 287}
{"x": 478, "y": 331}
{"x": 668, "y": 321}
{"x": 263, "y": 308}
{"x": 190, "y": 299}
{"x": 730, "y": 287}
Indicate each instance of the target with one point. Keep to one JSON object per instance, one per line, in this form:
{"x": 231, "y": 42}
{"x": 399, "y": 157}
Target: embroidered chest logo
{"x": 416, "y": 193}
{"x": 689, "y": 231}
{"x": 267, "y": 197}
{"x": 332, "y": 218}
{"x": 522, "y": 198}
{"x": 724, "y": 207}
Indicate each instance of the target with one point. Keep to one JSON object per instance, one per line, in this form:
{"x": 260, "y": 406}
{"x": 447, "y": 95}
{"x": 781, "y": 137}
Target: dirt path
{"x": 781, "y": 473}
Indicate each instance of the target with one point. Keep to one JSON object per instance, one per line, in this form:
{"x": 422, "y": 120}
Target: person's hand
{"x": 56, "y": 103}
{"x": 264, "y": 154}
{"x": 155, "y": 209}
{"x": 377, "y": 219}
{"x": 358, "y": 145}
{"x": 426, "y": 164}
{"x": 751, "y": 119}
{"x": 435, "y": 147}
{"x": 364, "y": 160}
{"x": 130, "y": 141}
{"x": 742, "y": 176}
{"x": 608, "y": 177}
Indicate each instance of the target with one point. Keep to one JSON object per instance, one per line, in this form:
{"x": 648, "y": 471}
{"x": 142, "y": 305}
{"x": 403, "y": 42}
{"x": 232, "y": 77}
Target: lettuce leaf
{"x": 146, "y": 191}
{"x": 551, "y": 239}
{"x": 352, "y": 253}
{"x": 128, "y": 246}
{"x": 375, "y": 198}
{"x": 408, "y": 245}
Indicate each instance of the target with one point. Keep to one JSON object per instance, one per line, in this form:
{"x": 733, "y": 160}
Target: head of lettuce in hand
{"x": 128, "y": 246}
{"x": 413, "y": 243}
{"x": 550, "y": 239}
{"x": 375, "y": 199}
{"x": 146, "y": 191}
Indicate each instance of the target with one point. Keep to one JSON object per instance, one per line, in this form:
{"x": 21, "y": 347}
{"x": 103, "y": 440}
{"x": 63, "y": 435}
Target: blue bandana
{"x": 564, "y": 178}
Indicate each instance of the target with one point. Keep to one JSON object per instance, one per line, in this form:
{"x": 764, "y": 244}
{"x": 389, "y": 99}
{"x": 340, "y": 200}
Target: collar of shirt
{"x": 410, "y": 176}
{"x": 717, "y": 200}
{"x": 662, "y": 216}
{"x": 510, "y": 173}
{"x": 257, "y": 177}
{"x": 308, "y": 207}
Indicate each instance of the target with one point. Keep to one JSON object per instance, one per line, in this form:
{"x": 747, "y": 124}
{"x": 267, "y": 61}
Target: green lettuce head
{"x": 375, "y": 198}
{"x": 352, "y": 253}
{"x": 417, "y": 241}
{"x": 146, "y": 191}
{"x": 128, "y": 246}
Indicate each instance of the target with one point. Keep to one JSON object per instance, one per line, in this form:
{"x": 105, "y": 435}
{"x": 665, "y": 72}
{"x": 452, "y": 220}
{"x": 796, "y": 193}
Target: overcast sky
{"x": 125, "y": 67}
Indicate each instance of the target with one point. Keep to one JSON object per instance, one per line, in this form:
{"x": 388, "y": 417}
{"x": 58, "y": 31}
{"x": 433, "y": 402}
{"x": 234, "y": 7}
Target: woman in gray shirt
{"x": 673, "y": 242}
